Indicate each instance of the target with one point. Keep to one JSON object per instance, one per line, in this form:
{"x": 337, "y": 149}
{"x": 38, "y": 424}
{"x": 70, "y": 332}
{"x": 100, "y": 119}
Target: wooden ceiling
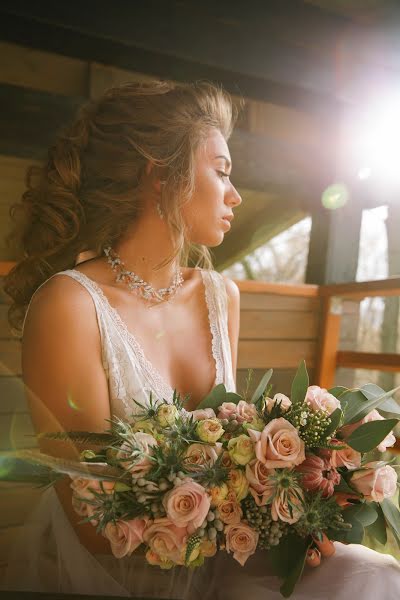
{"x": 299, "y": 65}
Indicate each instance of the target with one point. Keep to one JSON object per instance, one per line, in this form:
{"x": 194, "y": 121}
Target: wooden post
{"x": 329, "y": 336}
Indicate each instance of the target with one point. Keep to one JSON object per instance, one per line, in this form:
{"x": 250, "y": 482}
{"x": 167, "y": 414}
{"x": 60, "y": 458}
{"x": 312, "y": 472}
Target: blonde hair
{"x": 89, "y": 191}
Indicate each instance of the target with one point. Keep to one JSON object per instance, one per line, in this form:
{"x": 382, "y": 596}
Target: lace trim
{"x": 216, "y": 344}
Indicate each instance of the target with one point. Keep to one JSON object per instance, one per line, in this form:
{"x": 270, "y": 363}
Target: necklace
{"x": 137, "y": 284}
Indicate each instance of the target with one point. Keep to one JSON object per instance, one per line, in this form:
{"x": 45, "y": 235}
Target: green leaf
{"x": 367, "y": 436}
{"x": 355, "y": 534}
{"x": 370, "y": 391}
{"x": 357, "y": 407}
{"x": 337, "y": 391}
{"x": 335, "y": 418}
{"x": 285, "y": 556}
{"x": 288, "y": 585}
{"x": 232, "y": 397}
{"x": 344, "y": 487}
{"x": 392, "y": 516}
{"x": 300, "y": 384}
{"x": 378, "y": 528}
{"x": 261, "y": 386}
{"x": 363, "y": 512}
{"x": 215, "y": 398}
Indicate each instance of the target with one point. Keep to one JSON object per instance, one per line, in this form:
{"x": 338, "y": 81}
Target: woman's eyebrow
{"x": 228, "y": 162}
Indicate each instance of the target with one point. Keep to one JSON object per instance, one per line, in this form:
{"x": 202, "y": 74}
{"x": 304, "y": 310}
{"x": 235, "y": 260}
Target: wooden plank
{"x": 42, "y": 70}
{"x": 389, "y": 362}
{"x": 10, "y": 357}
{"x": 7, "y": 537}
{"x": 272, "y": 302}
{"x": 16, "y": 431}
{"x": 12, "y": 395}
{"x": 363, "y": 289}
{"x": 281, "y": 325}
{"x": 282, "y": 289}
{"x": 6, "y": 266}
{"x": 17, "y": 501}
{"x": 265, "y": 354}
{"x": 329, "y": 342}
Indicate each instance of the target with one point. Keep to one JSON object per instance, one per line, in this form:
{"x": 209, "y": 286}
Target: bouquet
{"x": 287, "y": 475}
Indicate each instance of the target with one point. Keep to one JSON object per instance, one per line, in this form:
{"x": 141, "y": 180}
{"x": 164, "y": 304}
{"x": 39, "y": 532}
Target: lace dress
{"x": 52, "y": 559}
{"x": 48, "y": 552}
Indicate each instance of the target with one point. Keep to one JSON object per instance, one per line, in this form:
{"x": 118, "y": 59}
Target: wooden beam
{"x": 279, "y": 289}
{"x": 389, "y": 362}
{"x": 329, "y": 341}
{"x": 162, "y": 39}
{"x": 363, "y": 289}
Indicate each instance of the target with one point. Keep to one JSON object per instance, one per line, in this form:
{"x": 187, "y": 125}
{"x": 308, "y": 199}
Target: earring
{"x": 159, "y": 210}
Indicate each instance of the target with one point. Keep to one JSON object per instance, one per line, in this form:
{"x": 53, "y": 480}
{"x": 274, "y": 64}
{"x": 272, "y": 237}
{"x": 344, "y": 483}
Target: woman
{"x": 143, "y": 178}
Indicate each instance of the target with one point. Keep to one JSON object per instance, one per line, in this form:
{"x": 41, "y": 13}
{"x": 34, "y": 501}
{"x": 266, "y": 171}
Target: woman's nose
{"x": 234, "y": 197}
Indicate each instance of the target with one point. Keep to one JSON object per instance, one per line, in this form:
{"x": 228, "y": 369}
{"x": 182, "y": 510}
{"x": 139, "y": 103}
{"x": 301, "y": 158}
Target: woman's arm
{"x": 66, "y": 386}
{"x": 233, "y": 293}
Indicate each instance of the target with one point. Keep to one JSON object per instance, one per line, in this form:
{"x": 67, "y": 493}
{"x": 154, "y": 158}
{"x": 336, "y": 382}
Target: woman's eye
{"x": 222, "y": 174}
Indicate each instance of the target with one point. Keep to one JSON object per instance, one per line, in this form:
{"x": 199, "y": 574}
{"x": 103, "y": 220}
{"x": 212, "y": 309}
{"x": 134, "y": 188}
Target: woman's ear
{"x": 155, "y": 175}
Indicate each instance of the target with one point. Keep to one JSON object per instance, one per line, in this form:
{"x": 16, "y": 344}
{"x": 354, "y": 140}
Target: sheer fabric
{"x": 48, "y": 556}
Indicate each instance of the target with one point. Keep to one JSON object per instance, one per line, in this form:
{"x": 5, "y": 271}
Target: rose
{"x": 261, "y": 486}
{"x": 218, "y": 493}
{"x": 84, "y": 487}
{"x": 286, "y": 506}
{"x": 285, "y": 402}
{"x": 313, "y": 557}
{"x": 154, "y": 560}
{"x": 201, "y": 455}
{"x": 238, "y": 483}
{"x": 227, "y": 410}
{"x": 226, "y": 460}
{"x": 125, "y": 536}
{"x": 208, "y": 548}
{"x": 257, "y": 423}
{"x": 320, "y": 399}
{"x": 202, "y": 413}
{"x": 166, "y": 415}
{"x": 166, "y": 540}
{"x": 134, "y": 454}
{"x": 209, "y": 430}
{"x": 187, "y": 505}
{"x": 318, "y": 474}
{"x": 242, "y": 540}
{"x": 325, "y": 546}
{"x": 241, "y": 449}
{"x": 345, "y": 457}
{"x": 242, "y": 411}
{"x": 145, "y": 426}
{"x": 278, "y": 445}
{"x": 229, "y": 509}
{"x": 83, "y": 509}
{"x": 375, "y": 482}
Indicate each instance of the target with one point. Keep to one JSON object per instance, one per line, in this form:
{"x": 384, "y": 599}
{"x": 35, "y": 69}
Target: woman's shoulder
{"x": 231, "y": 287}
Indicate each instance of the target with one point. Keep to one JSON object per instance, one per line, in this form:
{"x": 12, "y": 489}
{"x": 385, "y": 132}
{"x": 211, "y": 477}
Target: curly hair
{"x": 88, "y": 192}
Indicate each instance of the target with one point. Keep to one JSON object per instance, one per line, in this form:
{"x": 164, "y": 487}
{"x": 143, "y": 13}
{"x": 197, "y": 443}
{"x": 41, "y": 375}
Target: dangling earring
{"x": 159, "y": 210}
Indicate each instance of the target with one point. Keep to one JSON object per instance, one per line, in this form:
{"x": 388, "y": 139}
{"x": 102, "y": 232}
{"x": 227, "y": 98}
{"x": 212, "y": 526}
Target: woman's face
{"x": 214, "y": 197}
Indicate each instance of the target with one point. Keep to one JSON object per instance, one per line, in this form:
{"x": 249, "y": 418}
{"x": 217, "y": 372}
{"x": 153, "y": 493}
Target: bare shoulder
{"x": 232, "y": 289}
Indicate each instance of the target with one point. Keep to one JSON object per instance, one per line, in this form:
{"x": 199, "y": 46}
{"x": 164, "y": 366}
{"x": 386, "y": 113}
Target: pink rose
{"x": 318, "y": 474}
{"x": 284, "y": 402}
{"x": 261, "y": 486}
{"x": 201, "y": 455}
{"x": 242, "y": 411}
{"x": 345, "y": 457}
{"x": 242, "y": 540}
{"x": 83, "y": 487}
{"x": 187, "y": 505}
{"x": 166, "y": 540}
{"x": 134, "y": 454}
{"x": 202, "y": 413}
{"x": 229, "y": 509}
{"x": 320, "y": 399}
{"x": 287, "y": 507}
{"x": 125, "y": 536}
{"x": 375, "y": 482}
{"x": 278, "y": 446}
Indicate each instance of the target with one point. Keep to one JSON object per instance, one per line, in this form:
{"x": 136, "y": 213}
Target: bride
{"x": 136, "y": 189}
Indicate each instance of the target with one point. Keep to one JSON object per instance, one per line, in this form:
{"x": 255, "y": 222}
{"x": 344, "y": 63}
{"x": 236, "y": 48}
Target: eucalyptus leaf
{"x": 260, "y": 389}
{"x": 371, "y": 390}
{"x": 300, "y": 384}
{"x": 355, "y": 534}
{"x": 335, "y": 418}
{"x": 288, "y": 585}
{"x": 215, "y": 398}
{"x": 358, "y": 407}
{"x": 392, "y": 516}
{"x": 285, "y": 556}
{"x": 344, "y": 487}
{"x": 363, "y": 512}
{"x": 338, "y": 391}
{"x": 378, "y": 528}
{"x": 367, "y": 436}
{"x": 232, "y": 397}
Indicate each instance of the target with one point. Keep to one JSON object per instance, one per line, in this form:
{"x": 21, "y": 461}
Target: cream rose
{"x": 166, "y": 541}
{"x": 259, "y": 477}
{"x": 134, "y": 454}
{"x": 187, "y": 505}
{"x": 229, "y": 509}
{"x": 280, "y": 507}
{"x": 218, "y": 493}
{"x": 154, "y": 560}
{"x": 320, "y": 399}
{"x": 241, "y": 449}
{"x": 209, "y": 430}
{"x": 375, "y": 482}
{"x": 166, "y": 415}
{"x": 201, "y": 455}
{"x": 125, "y": 536}
{"x": 285, "y": 402}
{"x": 242, "y": 540}
{"x": 203, "y": 413}
{"x": 208, "y": 548}
{"x": 238, "y": 483}
{"x": 278, "y": 446}
{"x": 345, "y": 457}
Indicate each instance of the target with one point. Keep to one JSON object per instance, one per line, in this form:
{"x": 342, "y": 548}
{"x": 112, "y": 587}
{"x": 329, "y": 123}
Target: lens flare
{"x": 335, "y": 196}
{"x": 73, "y": 404}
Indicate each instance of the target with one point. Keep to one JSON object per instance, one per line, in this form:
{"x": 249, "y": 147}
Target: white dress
{"x": 51, "y": 558}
